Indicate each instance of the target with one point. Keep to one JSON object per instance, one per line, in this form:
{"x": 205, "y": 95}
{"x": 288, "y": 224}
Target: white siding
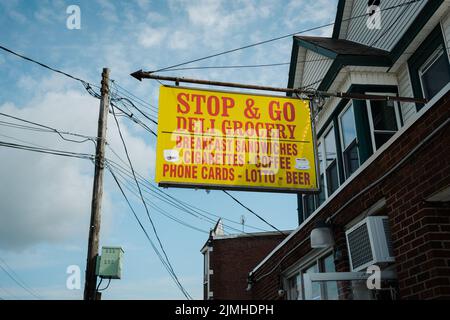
{"x": 394, "y": 23}
{"x": 315, "y": 68}
{"x": 405, "y": 90}
{"x": 445, "y": 23}
{"x": 345, "y": 22}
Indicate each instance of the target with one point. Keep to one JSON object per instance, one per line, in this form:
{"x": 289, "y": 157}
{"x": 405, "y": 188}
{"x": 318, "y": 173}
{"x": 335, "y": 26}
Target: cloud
{"x": 150, "y": 37}
{"x": 108, "y": 11}
{"x": 46, "y": 199}
{"x": 313, "y": 13}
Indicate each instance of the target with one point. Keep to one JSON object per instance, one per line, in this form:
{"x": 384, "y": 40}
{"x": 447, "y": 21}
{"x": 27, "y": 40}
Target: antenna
{"x": 243, "y": 223}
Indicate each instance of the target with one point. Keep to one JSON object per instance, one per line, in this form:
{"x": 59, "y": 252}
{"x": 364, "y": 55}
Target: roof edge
{"x": 338, "y": 20}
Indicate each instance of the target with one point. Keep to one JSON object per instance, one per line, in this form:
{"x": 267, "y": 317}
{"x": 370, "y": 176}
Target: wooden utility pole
{"x": 90, "y": 286}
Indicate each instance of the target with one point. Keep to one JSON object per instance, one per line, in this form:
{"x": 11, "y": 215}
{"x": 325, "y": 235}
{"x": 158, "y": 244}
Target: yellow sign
{"x": 225, "y": 140}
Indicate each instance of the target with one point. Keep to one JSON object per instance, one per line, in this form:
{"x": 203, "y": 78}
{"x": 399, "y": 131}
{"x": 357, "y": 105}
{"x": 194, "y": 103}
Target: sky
{"x": 45, "y": 200}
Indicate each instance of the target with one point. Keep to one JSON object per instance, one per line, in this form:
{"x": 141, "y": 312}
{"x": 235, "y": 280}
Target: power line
{"x": 253, "y": 212}
{"x": 50, "y": 129}
{"x": 45, "y": 66}
{"x": 134, "y": 119}
{"x": 246, "y": 66}
{"x": 18, "y": 277}
{"x": 132, "y": 96}
{"x": 19, "y": 283}
{"x": 155, "y": 249}
{"x": 140, "y": 191}
{"x": 47, "y": 151}
{"x": 278, "y": 38}
{"x": 179, "y": 204}
{"x": 159, "y": 209}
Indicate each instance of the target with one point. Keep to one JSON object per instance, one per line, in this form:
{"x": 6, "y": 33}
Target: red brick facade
{"x": 231, "y": 259}
{"x": 420, "y": 230}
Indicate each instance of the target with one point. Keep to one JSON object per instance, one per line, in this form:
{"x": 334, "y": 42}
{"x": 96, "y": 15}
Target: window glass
{"x": 309, "y": 205}
{"x": 312, "y": 292}
{"x": 348, "y": 127}
{"x": 384, "y": 121}
{"x": 350, "y": 146}
{"x": 331, "y": 288}
{"x": 294, "y": 284}
{"x": 351, "y": 159}
{"x": 383, "y": 115}
{"x": 322, "y": 195}
{"x": 331, "y": 163}
{"x": 330, "y": 147}
{"x": 435, "y": 74}
{"x": 206, "y": 266}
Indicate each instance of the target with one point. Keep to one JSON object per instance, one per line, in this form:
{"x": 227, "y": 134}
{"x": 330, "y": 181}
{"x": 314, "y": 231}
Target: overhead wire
{"x": 155, "y": 249}
{"x": 177, "y": 203}
{"x": 50, "y": 129}
{"x": 278, "y": 38}
{"x": 47, "y": 151}
{"x": 19, "y": 283}
{"x": 253, "y": 212}
{"x": 140, "y": 193}
{"x": 131, "y": 188}
{"x": 18, "y": 278}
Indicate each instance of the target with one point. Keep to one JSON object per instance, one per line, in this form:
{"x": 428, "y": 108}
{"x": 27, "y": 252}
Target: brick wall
{"x": 231, "y": 261}
{"x": 420, "y": 231}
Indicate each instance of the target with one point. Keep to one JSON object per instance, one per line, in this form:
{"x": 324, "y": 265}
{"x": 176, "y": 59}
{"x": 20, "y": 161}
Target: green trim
{"x": 425, "y": 50}
{"x": 418, "y": 24}
{"x": 410, "y": 34}
{"x": 293, "y": 66}
{"x": 338, "y": 21}
{"x": 332, "y": 73}
{"x": 355, "y": 88}
{"x": 316, "y": 48}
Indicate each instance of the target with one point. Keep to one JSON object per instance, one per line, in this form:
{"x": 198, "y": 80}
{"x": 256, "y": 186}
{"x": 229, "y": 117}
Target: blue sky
{"x": 45, "y": 201}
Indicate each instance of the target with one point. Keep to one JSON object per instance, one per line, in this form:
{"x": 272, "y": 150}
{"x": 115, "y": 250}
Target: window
{"x": 330, "y": 287}
{"x": 331, "y": 173}
{"x": 434, "y": 74}
{"x": 309, "y": 205}
{"x": 298, "y": 289}
{"x": 322, "y": 194}
{"x": 206, "y": 266}
{"x": 384, "y": 121}
{"x": 349, "y": 141}
{"x": 295, "y": 287}
{"x": 313, "y": 292}
{"x": 328, "y": 173}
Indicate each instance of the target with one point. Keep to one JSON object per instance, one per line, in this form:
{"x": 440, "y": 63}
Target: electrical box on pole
{"x": 109, "y": 264}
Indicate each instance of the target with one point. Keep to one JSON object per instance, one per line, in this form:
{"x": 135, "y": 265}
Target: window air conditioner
{"x": 369, "y": 242}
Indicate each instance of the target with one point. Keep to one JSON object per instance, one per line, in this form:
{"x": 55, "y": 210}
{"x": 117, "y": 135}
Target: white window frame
{"x": 341, "y": 136}
{"x": 369, "y": 112}
{"x": 440, "y": 50}
{"x": 322, "y": 142}
{"x": 300, "y": 267}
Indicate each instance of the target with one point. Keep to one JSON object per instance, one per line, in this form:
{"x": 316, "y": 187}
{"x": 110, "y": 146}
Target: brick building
{"x": 227, "y": 260}
{"x": 384, "y": 166}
